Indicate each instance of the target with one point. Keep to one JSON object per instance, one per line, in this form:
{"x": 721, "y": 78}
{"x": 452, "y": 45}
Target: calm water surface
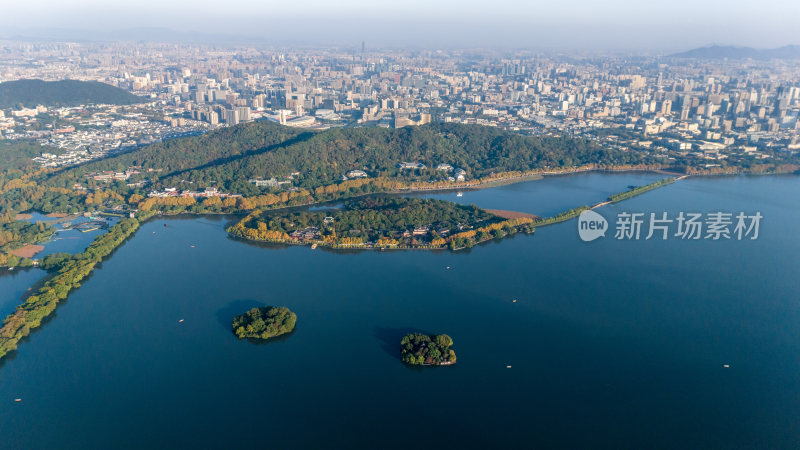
{"x": 15, "y": 283}
{"x": 612, "y": 344}
{"x": 71, "y": 240}
{"x": 553, "y": 194}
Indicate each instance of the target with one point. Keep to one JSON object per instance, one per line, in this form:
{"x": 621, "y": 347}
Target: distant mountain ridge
{"x": 138, "y": 34}
{"x": 733, "y": 52}
{"x": 30, "y": 93}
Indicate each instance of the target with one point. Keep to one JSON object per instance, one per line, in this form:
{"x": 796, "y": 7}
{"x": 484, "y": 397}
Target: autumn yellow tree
{"x": 211, "y": 202}
{"x": 135, "y": 199}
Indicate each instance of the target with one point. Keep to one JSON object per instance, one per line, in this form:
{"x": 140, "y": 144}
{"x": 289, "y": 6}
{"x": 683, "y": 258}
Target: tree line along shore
{"x": 382, "y": 222}
{"x": 16, "y": 234}
{"x": 309, "y": 167}
{"x": 402, "y": 223}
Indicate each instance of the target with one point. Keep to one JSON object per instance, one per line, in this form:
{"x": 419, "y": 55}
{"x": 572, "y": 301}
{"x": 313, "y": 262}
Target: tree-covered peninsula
{"x": 427, "y": 350}
{"x": 16, "y": 234}
{"x": 264, "y": 323}
{"x": 382, "y": 222}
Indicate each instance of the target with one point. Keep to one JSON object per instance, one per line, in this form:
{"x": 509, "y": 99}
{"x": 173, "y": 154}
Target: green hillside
{"x": 29, "y": 93}
{"x": 227, "y": 158}
{"x": 16, "y": 155}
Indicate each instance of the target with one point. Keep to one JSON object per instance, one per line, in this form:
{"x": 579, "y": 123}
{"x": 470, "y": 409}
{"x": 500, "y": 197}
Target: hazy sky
{"x": 591, "y": 24}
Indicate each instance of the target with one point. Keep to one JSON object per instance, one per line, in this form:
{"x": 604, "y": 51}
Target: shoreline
{"x": 484, "y": 185}
{"x": 400, "y": 191}
{"x": 475, "y": 187}
{"x": 313, "y": 245}
{"x": 27, "y": 251}
{"x": 532, "y": 177}
{"x": 536, "y": 221}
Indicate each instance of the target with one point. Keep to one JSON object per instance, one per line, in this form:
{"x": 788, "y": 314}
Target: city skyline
{"x": 697, "y": 107}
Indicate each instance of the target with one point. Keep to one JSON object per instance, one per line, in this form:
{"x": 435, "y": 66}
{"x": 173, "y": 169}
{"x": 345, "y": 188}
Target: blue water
{"x": 551, "y": 195}
{"x": 68, "y": 241}
{"x": 613, "y": 344}
{"x": 13, "y": 285}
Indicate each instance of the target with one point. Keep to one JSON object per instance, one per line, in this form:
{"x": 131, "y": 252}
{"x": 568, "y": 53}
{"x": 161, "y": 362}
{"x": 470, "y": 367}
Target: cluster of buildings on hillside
{"x": 109, "y": 176}
{"x": 713, "y": 109}
{"x": 306, "y": 234}
{"x": 458, "y": 174}
{"x": 313, "y": 233}
{"x": 85, "y": 133}
{"x": 207, "y": 193}
{"x": 273, "y": 182}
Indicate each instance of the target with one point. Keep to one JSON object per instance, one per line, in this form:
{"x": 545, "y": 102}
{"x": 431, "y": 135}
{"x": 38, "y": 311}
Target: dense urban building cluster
{"x": 711, "y": 109}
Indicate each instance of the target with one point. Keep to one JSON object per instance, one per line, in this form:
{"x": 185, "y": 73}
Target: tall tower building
{"x": 685, "y": 112}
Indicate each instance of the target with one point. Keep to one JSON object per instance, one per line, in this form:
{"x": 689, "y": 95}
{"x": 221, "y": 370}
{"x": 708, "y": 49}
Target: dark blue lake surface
{"x": 552, "y": 195}
{"x": 613, "y": 344}
{"x": 13, "y": 285}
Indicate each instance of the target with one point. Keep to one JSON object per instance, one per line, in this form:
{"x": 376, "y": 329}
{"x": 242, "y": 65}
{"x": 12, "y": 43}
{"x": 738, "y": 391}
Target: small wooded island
{"x": 427, "y": 350}
{"x": 382, "y": 222}
{"x": 264, "y": 323}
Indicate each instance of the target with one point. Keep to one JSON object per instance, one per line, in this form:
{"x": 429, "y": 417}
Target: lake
{"x": 15, "y": 283}
{"x": 70, "y": 240}
{"x": 611, "y": 343}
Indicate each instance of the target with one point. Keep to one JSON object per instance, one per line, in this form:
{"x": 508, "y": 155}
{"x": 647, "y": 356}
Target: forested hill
{"x": 229, "y": 157}
{"x": 731, "y": 52}
{"x": 16, "y": 156}
{"x": 30, "y": 93}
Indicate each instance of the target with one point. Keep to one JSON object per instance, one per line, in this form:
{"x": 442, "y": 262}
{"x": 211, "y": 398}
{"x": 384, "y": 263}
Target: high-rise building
{"x": 242, "y": 114}
{"x": 685, "y": 112}
{"x": 231, "y": 117}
